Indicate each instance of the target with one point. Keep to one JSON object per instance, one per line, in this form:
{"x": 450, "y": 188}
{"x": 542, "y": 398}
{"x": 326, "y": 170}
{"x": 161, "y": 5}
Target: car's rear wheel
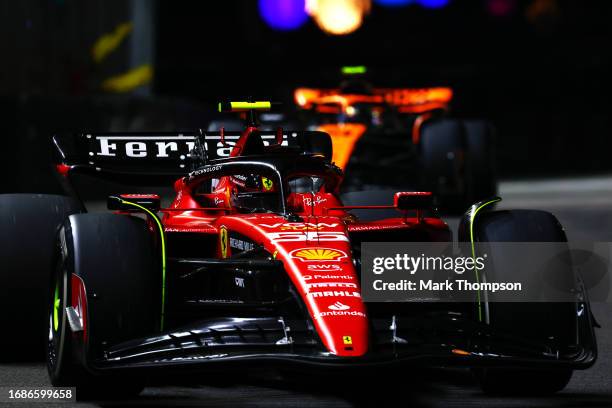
{"x": 28, "y": 229}
{"x": 457, "y": 162}
{"x": 482, "y": 180}
{"x": 442, "y": 156}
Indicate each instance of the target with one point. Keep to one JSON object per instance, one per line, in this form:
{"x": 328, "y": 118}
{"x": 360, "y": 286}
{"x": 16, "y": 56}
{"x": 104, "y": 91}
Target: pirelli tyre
{"x": 442, "y": 163}
{"x": 457, "y": 162}
{"x": 114, "y": 261}
{"x": 28, "y": 229}
{"x": 318, "y": 143}
{"x": 546, "y": 323}
{"x": 481, "y": 174}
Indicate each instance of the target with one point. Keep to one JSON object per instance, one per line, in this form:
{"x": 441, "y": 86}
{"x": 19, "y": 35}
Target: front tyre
{"x": 65, "y": 351}
{"x": 106, "y": 276}
{"x": 62, "y": 371}
{"x": 548, "y": 323}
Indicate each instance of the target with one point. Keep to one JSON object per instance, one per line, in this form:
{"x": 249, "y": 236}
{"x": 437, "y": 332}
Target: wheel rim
{"x": 54, "y": 343}
{"x": 56, "y": 307}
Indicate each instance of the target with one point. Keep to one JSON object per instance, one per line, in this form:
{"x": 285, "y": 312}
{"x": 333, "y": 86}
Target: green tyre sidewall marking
{"x": 163, "y": 253}
{"x": 56, "y": 306}
{"x": 476, "y": 271}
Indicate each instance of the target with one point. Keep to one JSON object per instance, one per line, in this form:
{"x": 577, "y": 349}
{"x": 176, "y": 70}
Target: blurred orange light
{"x": 338, "y": 17}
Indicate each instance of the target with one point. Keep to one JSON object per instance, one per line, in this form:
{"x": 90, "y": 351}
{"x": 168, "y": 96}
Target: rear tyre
{"x": 117, "y": 259}
{"x": 318, "y": 143}
{"x": 29, "y": 224}
{"x": 550, "y": 323}
{"x": 442, "y": 152}
{"x": 482, "y": 180}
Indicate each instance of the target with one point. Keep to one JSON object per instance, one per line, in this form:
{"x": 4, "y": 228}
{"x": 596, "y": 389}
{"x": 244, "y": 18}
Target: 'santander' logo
{"x": 338, "y": 306}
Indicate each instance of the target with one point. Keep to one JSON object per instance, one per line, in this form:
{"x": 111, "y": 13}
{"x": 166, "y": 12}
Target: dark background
{"x": 542, "y": 79}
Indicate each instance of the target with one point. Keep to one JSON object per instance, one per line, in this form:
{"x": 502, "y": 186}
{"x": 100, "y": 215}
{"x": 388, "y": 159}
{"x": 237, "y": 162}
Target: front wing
{"x": 441, "y": 338}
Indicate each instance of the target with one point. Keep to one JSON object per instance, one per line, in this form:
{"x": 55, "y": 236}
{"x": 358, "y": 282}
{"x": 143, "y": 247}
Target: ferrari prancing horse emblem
{"x": 223, "y": 238}
{"x": 267, "y": 183}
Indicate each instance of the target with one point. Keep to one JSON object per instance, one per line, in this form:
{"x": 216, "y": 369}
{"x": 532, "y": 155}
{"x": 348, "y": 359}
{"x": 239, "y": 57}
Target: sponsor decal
{"x": 308, "y": 201}
{"x": 240, "y": 244}
{"x": 324, "y": 267}
{"x": 318, "y": 254}
{"x": 335, "y": 293}
{"x": 267, "y": 183}
{"x": 348, "y": 340}
{"x": 357, "y": 227}
{"x": 204, "y": 170}
{"x": 219, "y": 201}
{"x": 343, "y": 313}
{"x": 330, "y": 277}
{"x": 299, "y": 236}
{"x": 137, "y": 146}
{"x": 338, "y": 306}
{"x": 142, "y": 146}
{"x": 204, "y": 229}
{"x": 223, "y": 241}
{"x": 340, "y": 309}
{"x": 299, "y": 226}
{"x": 236, "y": 180}
{"x": 332, "y": 285}
{"x": 239, "y": 282}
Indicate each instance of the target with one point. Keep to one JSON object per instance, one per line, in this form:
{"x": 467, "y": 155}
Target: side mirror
{"x": 127, "y": 202}
{"x": 413, "y": 200}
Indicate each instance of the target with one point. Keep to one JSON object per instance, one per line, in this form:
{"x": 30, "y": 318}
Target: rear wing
{"x": 406, "y": 100}
{"x": 159, "y": 154}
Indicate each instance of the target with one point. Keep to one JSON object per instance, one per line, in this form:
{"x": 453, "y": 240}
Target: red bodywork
{"x": 316, "y": 252}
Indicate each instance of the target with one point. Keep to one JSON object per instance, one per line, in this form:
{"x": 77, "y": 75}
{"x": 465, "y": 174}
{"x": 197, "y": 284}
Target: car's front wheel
{"x": 105, "y": 289}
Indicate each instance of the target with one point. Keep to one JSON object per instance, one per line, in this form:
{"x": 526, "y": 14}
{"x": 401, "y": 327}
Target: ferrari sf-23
{"x": 255, "y": 262}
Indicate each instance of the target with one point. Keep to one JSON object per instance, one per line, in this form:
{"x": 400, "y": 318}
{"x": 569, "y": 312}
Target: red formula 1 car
{"x": 255, "y": 261}
{"x": 402, "y": 138}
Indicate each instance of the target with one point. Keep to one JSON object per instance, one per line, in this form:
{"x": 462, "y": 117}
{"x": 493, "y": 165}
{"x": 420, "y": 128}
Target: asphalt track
{"x": 584, "y": 207}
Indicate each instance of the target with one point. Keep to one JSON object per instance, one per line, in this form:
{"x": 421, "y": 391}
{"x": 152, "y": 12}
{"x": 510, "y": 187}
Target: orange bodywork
{"x": 407, "y": 100}
{"x": 419, "y": 101}
{"x": 343, "y": 136}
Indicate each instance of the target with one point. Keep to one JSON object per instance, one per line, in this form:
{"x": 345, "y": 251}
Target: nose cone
{"x": 341, "y": 323}
{"x": 327, "y": 281}
{"x": 317, "y": 257}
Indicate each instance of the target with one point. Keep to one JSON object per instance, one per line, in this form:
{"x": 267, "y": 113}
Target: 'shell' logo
{"x": 318, "y": 254}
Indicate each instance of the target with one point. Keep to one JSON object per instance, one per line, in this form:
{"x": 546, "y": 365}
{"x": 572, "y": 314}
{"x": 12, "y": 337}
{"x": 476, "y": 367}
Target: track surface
{"x": 584, "y": 207}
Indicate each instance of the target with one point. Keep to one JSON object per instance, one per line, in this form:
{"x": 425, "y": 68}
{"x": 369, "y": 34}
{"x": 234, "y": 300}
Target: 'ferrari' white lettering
{"x": 136, "y": 149}
{"x": 106, "y": 147}
{"x": 162, "y": 148}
